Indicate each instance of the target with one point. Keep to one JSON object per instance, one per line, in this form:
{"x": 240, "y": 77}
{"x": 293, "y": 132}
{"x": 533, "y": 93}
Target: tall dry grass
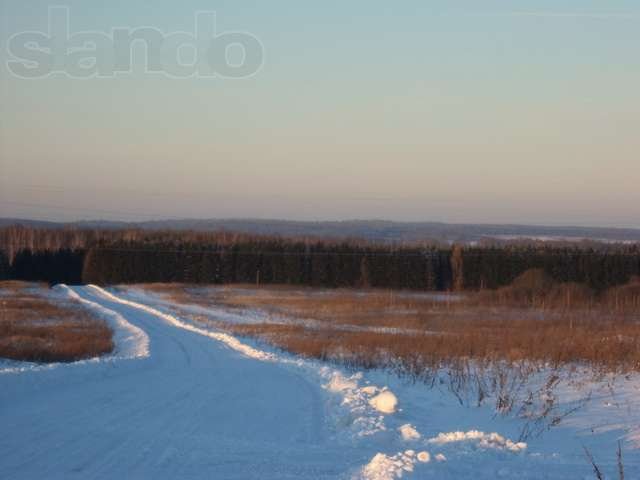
{"x": 534, "y": 319}
{"x": 33, "y": 328}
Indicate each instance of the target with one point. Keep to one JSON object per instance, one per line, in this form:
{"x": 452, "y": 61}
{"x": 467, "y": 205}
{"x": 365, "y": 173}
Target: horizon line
{"x": 325, "y": 221}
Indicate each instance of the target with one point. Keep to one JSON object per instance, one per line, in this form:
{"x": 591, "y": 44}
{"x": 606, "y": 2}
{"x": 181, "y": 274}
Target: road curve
{"x": 193, "y": 409}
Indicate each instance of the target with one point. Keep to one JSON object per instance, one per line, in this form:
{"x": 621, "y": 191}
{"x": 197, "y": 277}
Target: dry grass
{"x": 625, "y": 297}
{"x": 370, "y": 308}
{"x": 532, "y": 320}
{"x": 33, "y": 328}
{"x": 608, "y": 347}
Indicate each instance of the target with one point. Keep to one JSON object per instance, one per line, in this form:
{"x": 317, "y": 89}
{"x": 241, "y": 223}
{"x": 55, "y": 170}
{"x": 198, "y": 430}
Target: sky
{"x": 457, "y": 111}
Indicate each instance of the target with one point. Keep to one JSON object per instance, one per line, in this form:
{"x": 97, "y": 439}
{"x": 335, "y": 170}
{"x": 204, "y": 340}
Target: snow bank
{"x": 130, "y": 341}
{"x": 485, "y": 440}
{"x": 228, "y": 340}
{"x": 391, "y": 467}
{"x": 385, "y": 402}
{"x": 15, "y": 367}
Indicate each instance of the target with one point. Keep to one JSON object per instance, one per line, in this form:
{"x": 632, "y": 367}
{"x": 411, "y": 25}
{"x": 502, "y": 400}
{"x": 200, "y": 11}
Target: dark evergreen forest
{"x": 131, "y": 256}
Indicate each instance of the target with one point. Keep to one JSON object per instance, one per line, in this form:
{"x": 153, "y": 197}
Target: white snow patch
{"x": 385, "y": 402}
{"x": 15, "y": 367}
{"x": 409, "y": 433}
{"x": 340, "y": 383}
{"x": 384, "y": 467}
{"x": 361, "y": 417}
{"x": 485, "y": 440}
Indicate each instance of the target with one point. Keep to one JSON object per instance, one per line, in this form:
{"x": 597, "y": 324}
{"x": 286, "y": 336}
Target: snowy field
{"x": 180, "y": 400}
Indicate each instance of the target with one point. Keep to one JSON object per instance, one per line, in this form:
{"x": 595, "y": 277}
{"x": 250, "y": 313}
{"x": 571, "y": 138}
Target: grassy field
{"x": 36, "y": 328}
{"x": 534, "y": 320}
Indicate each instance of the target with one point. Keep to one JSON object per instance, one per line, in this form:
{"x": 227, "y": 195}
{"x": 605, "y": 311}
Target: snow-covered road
{"x": 178, "y": 400}
{"x": 192, "y": 409}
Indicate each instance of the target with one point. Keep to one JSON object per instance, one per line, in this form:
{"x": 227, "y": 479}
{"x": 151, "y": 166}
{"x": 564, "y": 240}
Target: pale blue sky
{"x": 490, "y": 111}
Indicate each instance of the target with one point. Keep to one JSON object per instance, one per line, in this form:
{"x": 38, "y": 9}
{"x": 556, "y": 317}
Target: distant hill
{"x": 374, "y": 230}
{"x": 7, "y": 222}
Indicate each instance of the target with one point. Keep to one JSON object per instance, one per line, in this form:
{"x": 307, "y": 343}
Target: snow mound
{"x": 339, "y": 383}
{"x": 384, "y": 467}
{"x": 409, "y": 433}
{"x": 357, "y": 415}
{"x": 385, "y": 402}
{"x": 424, "y": 457}
{"x": 485, "y": 440}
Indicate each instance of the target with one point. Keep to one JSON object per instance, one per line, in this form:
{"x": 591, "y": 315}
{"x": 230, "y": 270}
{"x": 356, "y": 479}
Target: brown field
{"x": 532, "y": 320}
{"x": 33, "y": 328}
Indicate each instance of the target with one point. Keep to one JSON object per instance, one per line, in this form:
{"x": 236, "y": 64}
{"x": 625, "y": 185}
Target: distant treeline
{"x": 132, "y": 256}
{"x": 271, "y": 262}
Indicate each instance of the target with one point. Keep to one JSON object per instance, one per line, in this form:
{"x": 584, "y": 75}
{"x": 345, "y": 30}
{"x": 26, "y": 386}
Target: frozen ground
{"x": 180, "y": 400}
